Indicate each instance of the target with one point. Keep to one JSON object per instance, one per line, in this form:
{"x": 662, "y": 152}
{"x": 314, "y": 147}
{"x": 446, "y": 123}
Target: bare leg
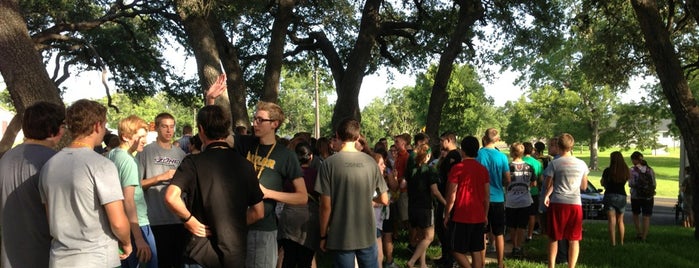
{"x": 530, "y": 226}
{"x": 553, "y": 250}
{"x": 388, "y": 247}
{"x": 611, "y": 226}
{"x": 637, "y": 224}
{"x": 517, "y": 237}
{"x": 573, "y": 252}
{"x": 421, "y": 248}
{"x": 462, "y": 260}
{"x": 500, "y": 249}
{"x": 379, "y": 246}
{"x": 478, "y": 260}
{"x": 622, "y": 228}
{"x": 646, "y": 225}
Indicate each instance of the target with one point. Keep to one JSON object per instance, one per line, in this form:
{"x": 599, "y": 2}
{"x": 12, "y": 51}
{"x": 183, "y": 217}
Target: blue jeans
{"x": 366, "y": 257}
{"x": 262, "y": 249}
{"x": 132, "y": 260}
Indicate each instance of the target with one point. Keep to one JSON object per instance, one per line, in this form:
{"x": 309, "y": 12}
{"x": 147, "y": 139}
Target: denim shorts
{"x": 614, "y": 202}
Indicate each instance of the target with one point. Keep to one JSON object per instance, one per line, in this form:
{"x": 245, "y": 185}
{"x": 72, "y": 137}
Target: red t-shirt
{"x": 471, "y": 178}
{"x": 402, "y": 163}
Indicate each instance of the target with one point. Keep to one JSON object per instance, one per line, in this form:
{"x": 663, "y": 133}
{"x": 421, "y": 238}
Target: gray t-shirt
{"x": 567, "y": 173}
{"x": 155, "y": 160}
{"x": 350, "y": 179}
{"x": 24, "y": 225}
{"x": 75, "y": 185}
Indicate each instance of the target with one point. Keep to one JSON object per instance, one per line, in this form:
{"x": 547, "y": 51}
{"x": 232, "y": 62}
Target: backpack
{"x": 644, "y": 184}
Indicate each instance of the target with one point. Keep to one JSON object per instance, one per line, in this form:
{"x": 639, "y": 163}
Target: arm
{"x": 382, "y": 199}
{"x": 165, "y": 176}
{"x": 583, "y": 183}
{"x": 486, "y": 200}
{"x": 325, "y": 210}
{"x": 392, "y": 181}
{"x": 549, "y": 189}
{"x": 451, "y": 197}
{"x": 176, "y": 205}
{"x": 255, "y": 213}
{"x": 298, "y": 197}
{"x": 120, "y": 226}
{"x": 142, "y": 250}
{"x": 437, "y": 194}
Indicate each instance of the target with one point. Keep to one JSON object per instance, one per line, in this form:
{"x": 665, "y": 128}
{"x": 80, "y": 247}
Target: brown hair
{"x": 491, "y": 135}
{"x": 619, "y": 171}
{"x": 565, "y": 142}
{"x": 516, "y": 150}
{"x": 275, "y": 111}
{"x": 83, "y": 115}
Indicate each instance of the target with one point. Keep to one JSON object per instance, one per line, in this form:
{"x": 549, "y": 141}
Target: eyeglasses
{"x": 259, "y": 120}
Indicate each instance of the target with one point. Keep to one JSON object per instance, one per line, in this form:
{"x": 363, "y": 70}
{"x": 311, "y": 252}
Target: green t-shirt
{"x": 128, "y": 176}
{"x": 537, "y": 168}
{"x": 281, "y": 165}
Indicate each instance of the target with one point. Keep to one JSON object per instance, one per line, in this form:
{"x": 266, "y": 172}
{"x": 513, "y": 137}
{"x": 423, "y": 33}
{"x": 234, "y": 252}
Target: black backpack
{"x": 644, "y": 184}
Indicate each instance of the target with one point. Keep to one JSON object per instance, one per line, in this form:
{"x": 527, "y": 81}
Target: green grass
{"x": 667, "y": 246}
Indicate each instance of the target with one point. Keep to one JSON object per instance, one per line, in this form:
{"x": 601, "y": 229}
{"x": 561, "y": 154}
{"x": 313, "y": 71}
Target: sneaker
{"x": 528, "y": 239}
{"x": 391, "y": 265}
{"x": 536, "y": 232}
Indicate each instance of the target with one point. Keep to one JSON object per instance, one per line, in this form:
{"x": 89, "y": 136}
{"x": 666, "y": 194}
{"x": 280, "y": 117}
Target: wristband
{"x": 188, "y": 218}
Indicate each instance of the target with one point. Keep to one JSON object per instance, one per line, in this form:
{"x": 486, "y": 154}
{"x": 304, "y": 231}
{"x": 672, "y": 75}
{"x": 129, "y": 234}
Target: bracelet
{"x": 188, "y": 218}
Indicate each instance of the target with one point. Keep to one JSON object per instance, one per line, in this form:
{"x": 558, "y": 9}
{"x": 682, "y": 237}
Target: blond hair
{"x": 130, "y": 125}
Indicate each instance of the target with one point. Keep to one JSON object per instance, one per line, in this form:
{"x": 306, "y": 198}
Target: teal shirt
{"x": 128, "y": 176}
{"x": 538, "y": 168}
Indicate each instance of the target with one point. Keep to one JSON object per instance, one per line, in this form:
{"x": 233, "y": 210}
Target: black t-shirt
{"x": 452, "y": 158}
{"x": 419, "y": 181}
{"x": 219, "y": 185}
{"x": 611, "y": 187}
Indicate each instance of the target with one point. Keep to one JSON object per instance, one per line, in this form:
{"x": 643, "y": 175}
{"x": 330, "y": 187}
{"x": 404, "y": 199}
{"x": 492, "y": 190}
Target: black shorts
{"x": 534, "y": 208}
{"x": 517, "y": 217}
{"x": 421, "y": 218}
{"x": 496, "y": 218}
{"x": 389, "y": 224}
{"x": 642, "y": 206}
{"x": 466, "y": 237}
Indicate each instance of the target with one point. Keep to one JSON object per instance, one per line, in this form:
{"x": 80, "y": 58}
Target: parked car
{"x": 592, "y": 205}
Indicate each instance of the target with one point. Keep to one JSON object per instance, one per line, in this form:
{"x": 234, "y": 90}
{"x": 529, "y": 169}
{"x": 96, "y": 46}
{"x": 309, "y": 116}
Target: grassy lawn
{"x": 667, "y": 246}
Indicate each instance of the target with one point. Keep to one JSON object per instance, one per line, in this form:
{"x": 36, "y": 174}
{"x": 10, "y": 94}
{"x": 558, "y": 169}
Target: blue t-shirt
{"x": 496, "y": 163}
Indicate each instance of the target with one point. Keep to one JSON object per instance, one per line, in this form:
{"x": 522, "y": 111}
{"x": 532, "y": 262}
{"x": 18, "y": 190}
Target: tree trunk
{"x": 347, "y": 105}
{"x": 667, "y": 66}
{"x": 275, "y": 51}
{"x": 237, "y": 91}
{"x": 21, "y": 68}
{"x": 469, "y": 13}
{"x": 594, "y": 145}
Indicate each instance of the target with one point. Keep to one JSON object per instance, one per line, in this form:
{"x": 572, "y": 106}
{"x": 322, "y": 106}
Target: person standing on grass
{"x": 565, "y": 177}
{"x": 518, "y": 199}
{"x": 641, "y": 202}
{"x": 346, "y": 182}
{"x": 83, "y": 197}
{"x": 132, "y": 137}
{"x": 26, "y": 240}
{"x": 614, "y": 180}
{"x": 537, "y": 168}
{"x": 499, "y": 172}
{"x": 466, "y": 211}
{"x": 422, "y": 186}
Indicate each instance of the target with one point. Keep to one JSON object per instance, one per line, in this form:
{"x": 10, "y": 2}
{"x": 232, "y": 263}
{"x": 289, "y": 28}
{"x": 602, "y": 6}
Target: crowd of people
{"x": 214, "y": 199}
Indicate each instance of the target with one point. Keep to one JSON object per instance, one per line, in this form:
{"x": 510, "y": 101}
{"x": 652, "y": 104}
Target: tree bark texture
{"x": 672, "y": 79}
{"x": 275, "y": 51}
{"x": 469, "y": 13}
{"x": 22, "y": 68}
{"x": 347, "y": 105}
{"x": 236, "y": 88}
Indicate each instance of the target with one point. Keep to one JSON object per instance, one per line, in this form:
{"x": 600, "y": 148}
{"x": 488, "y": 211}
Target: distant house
{"x": 664, "y": 137}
